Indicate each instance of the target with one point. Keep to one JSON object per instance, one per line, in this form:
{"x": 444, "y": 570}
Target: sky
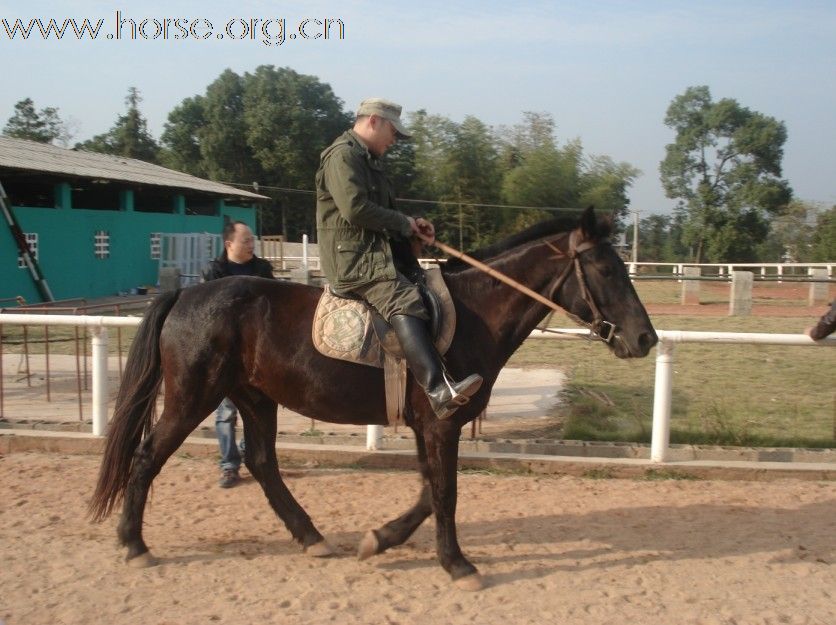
{"x": 606, "y": 71}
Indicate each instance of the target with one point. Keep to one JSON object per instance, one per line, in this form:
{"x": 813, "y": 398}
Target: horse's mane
{"x": 538, "y": 231}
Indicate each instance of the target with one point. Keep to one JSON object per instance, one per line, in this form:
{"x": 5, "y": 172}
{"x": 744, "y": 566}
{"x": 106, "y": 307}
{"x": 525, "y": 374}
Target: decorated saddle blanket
{"x": 349, "y": 329}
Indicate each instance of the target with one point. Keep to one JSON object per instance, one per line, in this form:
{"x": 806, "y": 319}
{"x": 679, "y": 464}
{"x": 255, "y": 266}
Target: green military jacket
{"x": 355, "y": 215}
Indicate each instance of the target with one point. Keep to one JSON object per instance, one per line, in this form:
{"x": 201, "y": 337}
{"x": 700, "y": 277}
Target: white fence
{"x": 726, "y": 269}
{"x": 663, "y": 387}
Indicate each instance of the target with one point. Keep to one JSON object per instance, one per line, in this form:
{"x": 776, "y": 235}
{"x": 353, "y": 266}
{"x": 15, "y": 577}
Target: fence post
{"x": 691, "y": 288}
{"x": 819, "y": 291}
{"x": 662, "y": 392}
{"x": 740, "y": 302}
{"x": 374, "y": 434}
{"x": 100, "y": 394}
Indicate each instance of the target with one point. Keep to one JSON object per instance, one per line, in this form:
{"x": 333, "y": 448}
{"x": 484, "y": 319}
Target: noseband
{"x": 600, "y": 328}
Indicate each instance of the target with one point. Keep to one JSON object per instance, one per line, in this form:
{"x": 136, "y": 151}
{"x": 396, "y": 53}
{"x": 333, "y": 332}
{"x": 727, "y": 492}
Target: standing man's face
{"x": 240, "y": 248}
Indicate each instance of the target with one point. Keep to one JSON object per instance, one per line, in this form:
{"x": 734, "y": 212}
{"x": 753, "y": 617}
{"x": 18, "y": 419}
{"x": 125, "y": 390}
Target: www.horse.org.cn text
{"x": 269, "y": 31}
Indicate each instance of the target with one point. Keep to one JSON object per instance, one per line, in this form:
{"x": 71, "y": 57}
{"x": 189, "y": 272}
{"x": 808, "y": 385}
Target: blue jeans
{"x": 226, "y": 417}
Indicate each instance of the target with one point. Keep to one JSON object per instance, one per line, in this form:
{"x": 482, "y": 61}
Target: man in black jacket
{"x": 237, "y": 259}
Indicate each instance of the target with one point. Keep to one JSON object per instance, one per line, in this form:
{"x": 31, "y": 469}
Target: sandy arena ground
{"x": 553, "y": 550}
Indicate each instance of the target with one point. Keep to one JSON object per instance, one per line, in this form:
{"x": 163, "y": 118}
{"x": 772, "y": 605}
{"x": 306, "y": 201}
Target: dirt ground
{"x": 552, "y": 550}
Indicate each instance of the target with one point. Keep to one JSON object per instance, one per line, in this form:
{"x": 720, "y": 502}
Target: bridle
{"x": 600, "y": 328}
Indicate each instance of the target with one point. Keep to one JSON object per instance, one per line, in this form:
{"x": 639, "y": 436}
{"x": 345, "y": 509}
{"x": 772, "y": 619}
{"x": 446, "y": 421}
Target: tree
{"x": 458, "y": 165}
{"x": 724, "y": 167}
{"x": 823, "y": 244}
{"x": 604, "y": 184}
{"x": 128, "y": 137}
{"x": 538, "y": 172}
{"x": 270, "y": 127}
{"x": 181, "y": 137}
{"x": 290, "y": 118}
{"x": 44, "y": 126}
{"x": 543, "y": 174}
{"x": 225, "y": 151}
{"x": 660, "y": 239}
{"x": 791, "y": 234}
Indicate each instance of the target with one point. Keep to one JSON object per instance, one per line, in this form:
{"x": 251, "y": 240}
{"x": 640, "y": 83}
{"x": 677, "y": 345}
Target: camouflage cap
{"x": 386, "y": 110}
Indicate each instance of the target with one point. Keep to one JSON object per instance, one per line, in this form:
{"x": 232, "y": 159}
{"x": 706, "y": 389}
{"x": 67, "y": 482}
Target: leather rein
{"x": 600, "y": 328}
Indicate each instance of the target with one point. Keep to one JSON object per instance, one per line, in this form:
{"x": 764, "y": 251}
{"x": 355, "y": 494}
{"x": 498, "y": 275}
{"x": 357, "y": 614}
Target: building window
{"x": 153, "y": 201}
{"x": 95, "y": 195}
{"x": 201, "y": 204}
{"x": 155, "y": 246}
{"x": 32, "y": 242}
{"x": 29, "y": 191}
{"x": 101, "y": 244}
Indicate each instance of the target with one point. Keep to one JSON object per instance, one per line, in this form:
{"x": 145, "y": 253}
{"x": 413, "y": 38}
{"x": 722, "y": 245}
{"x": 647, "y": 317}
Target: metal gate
{"x": 190, "y": 253}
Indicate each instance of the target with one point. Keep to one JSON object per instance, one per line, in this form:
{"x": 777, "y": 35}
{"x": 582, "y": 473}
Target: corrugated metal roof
{"x": 41, "y": 157}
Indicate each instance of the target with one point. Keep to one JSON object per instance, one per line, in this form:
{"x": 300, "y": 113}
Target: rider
{"x": 364, "y": 245}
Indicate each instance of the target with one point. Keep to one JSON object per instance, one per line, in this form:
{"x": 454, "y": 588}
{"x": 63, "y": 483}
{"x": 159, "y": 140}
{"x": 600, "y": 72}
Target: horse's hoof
{"x": 470, "y": 583}
{"x": 319, "y": 550}
{"x": 368, "y": 546}
{"x": 142, "y": 561}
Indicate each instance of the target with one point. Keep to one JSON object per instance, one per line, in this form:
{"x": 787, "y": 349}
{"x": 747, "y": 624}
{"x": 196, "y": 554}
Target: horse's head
{"x": 596, "y": 290}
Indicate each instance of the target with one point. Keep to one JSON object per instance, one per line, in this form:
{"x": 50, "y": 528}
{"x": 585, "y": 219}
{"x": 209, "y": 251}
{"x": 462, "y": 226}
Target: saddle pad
{"x": 343, "y": 328}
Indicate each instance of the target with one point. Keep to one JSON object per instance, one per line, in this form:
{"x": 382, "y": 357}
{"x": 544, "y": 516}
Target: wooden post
{"x": 740, "y": 302}
{"x": 819, "y": 291}
{"x": 691, "y": 288}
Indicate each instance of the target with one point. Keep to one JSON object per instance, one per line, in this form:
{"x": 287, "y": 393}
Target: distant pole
{"x": 635, "y": 236}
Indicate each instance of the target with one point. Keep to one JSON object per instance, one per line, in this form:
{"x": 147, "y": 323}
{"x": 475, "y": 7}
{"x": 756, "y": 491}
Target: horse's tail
{"x": 133, "y": 415}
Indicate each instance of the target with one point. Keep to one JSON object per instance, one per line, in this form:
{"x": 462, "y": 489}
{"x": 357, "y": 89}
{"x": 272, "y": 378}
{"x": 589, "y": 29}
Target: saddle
{"x": 348, "y": 329}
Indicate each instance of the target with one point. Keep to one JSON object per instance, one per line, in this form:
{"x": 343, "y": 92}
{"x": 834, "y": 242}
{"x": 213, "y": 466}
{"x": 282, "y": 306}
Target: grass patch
{"x": 653, "y": 475}
{"x": 496, "y": 472}
{"x": 599, "y": 473}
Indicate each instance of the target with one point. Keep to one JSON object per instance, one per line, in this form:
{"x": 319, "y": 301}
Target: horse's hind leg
{"x": 168, "y": 434}
{"x": 398, "y": 531}
{"x": 259, "y": 416}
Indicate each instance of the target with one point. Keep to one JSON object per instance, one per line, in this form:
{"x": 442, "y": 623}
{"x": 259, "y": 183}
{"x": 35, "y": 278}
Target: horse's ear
{"x": 588, "y": 224}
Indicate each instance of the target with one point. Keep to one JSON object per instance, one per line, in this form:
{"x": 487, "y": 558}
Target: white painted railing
{"x": 726, "y": 269}
{"x": 98, "y": 326}
{"x": 663, "y": 386}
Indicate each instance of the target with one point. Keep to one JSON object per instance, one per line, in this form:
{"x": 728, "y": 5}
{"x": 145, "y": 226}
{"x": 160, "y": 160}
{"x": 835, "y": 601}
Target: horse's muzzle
{"x": 639, "y": 348}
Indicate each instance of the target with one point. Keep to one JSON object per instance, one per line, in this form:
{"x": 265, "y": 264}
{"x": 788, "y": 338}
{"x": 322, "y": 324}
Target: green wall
{"x": 66, "y": 250}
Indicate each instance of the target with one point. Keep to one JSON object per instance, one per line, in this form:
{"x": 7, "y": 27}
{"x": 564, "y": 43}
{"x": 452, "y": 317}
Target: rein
{"x": 600, "y": 328}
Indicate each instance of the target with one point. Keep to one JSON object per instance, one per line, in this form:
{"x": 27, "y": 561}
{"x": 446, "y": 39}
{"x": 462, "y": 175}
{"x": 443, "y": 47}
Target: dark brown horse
{"x": 249, "y": 339}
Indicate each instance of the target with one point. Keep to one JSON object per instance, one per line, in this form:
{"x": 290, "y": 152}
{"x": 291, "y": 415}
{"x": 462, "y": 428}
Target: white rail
{"x": 726, "y": 269}
{"x": 663, "y": 386}
{"x": 98, "y": 325}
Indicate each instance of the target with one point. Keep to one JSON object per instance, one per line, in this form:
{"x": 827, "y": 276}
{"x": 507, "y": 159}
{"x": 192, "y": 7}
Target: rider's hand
{"x": 424, "y": 229}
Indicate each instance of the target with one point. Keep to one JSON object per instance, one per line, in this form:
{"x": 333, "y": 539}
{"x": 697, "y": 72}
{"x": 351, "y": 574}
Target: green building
{"x": 93, "y": 221}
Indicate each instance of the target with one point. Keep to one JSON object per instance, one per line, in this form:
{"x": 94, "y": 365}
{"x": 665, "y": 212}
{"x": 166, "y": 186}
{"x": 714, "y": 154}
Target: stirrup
{"x": 458, "y": 398}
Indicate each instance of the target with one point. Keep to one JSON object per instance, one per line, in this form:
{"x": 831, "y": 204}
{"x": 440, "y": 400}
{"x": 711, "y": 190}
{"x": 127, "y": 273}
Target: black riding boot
{"x": 445, "y": 395}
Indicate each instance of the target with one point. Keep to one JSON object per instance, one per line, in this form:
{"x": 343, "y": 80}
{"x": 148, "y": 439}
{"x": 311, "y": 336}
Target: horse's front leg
{"x": 442, "y": 441}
